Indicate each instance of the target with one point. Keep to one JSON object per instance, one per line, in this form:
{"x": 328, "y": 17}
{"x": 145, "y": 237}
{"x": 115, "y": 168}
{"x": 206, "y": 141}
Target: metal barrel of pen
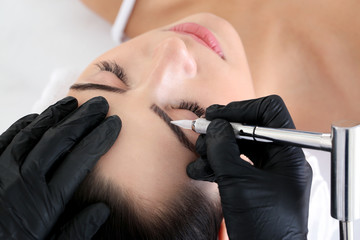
{"x": 344, "y": 145}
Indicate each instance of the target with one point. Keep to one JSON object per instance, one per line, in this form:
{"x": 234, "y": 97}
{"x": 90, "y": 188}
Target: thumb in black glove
{"x": 270, "y": 200}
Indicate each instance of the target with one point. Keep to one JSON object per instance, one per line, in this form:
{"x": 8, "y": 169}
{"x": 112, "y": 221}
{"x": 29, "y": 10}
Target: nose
{"x": 172, "y": 65}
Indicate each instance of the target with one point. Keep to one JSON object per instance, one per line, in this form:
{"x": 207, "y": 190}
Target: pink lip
{"x": 201, "y": 35}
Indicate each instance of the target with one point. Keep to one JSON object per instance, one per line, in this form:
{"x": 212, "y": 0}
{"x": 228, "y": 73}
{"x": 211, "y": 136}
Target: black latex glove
{"x": 42, "y": 161}
{"x": 269, "y": 200}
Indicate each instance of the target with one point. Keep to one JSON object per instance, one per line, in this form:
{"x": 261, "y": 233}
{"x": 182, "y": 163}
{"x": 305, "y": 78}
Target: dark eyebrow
{"x": 184, "y": 140}
{"x": 93, "y": 86}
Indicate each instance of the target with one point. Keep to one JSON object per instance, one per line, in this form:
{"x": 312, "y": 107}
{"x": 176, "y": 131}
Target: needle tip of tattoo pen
{"x": 186, "y": 124}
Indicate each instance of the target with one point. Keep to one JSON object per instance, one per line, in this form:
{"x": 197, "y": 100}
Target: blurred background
{"x": 38, "y": 38}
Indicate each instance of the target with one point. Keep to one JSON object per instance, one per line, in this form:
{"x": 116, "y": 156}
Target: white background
{"x": 38, "y": 37}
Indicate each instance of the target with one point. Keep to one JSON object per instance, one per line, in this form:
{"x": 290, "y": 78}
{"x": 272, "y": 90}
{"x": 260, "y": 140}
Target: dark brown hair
{"x": 191, "y": 215}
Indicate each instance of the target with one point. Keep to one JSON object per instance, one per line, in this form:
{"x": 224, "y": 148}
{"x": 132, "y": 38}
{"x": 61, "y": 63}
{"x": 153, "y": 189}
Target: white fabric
{"x": 56, "y": 89}
{"x": 37, "y": 37}
{"x": 118, "y": 28}
{"x": 321, "y": 225}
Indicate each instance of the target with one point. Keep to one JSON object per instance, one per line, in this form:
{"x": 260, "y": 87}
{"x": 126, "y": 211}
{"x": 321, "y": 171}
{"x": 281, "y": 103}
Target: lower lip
{"x": 201, "y": 35}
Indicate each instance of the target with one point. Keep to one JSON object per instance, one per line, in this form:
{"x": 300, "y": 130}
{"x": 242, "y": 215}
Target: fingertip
{"x": 114, "y": 123}
{"x": 200, "y": 170}
{"x": 276, "y": 98}
{"x": 60, "y": 109}
{"x": 99, "y": 103}
{"x": 275, "y": 113}
{"x": 103, "y": 211}
{"x": 67, "y": 99}
{"x": 213, "y": 111}
{"x": 67, "y": 102}
{"x": 200, "y": 145}
{"x": 116, "y": 119}
{"x": 100, "y": 99}
{"x": 190, "y": 169}
{"x": 90, "y": 220}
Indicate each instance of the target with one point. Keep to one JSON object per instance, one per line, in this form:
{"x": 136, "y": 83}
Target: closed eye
{"x": 191, "y": 106}
{"x": 116, "y": 69}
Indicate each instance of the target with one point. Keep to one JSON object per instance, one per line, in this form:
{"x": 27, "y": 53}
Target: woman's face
{"x": 166, "y": 69}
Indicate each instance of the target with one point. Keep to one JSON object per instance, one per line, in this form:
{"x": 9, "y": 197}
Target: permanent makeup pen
{"x": 263, "y": 134}
{"x": 343, "y": 143}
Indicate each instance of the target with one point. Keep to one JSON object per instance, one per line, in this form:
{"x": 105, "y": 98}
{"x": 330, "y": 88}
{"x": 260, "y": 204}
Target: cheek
{"x": 234, "y": 86}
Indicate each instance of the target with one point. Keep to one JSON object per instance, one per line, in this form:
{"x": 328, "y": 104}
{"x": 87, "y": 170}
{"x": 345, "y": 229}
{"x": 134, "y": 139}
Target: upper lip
{"x": 200, "y": 34}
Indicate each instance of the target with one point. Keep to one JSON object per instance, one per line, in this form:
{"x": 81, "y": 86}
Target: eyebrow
{"x": 183, "y": 139}
{"x": 93, "y": 86}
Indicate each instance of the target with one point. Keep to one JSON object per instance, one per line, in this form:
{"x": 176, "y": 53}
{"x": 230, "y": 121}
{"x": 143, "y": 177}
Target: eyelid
{"x": 191, "y": 106}
{"x": 116, "y": 69}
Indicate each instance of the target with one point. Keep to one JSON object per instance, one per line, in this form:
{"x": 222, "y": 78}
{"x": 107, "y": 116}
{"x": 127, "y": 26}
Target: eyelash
{"x": 193, "y": 107}
{"x": 114, "y": 68}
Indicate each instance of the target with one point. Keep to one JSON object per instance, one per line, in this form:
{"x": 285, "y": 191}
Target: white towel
{"x": 56, "y": 89}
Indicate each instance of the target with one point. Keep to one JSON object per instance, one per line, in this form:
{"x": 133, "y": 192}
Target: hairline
{"x": 190, "y": 201}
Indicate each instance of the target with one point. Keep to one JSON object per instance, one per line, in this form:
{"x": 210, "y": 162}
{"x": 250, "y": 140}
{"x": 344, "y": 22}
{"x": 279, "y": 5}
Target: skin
{"x": 306, "y": 52}
{"x": 164, "y": 68}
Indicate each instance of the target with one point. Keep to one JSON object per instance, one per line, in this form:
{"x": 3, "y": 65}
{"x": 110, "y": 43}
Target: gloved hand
{"x": 42, "y": 161}
{"x": 269, "y": 200}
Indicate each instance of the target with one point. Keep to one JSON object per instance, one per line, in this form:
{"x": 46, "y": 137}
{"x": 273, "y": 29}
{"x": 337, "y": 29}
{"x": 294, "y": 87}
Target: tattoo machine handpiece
{"x": 344, "y": 145}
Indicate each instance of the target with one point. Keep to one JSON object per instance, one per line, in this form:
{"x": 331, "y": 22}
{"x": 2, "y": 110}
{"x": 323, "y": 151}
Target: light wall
{"x": 39, "y": 37}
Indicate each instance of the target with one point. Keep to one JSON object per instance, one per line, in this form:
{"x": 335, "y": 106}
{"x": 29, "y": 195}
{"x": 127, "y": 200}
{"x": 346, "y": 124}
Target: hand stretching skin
{"x": 43, "y": 158}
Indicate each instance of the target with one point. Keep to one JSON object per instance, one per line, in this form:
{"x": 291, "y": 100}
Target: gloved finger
{"x": 269, "y": 111}
{"x": 290, "y": 161}
{"x": 58, "y": 140}
{"x": 28, "y": 137}
{"x": 200, "y": 145}
{"x": 222, "y": 150}
{"x": 200, "y": 170}
{"x": 248, "y": 148}
{"x": 82, "y": 159}
{"x": 86, "y": 223}
{"x": 255, "y": 151}
{"x": 10, "y": 133}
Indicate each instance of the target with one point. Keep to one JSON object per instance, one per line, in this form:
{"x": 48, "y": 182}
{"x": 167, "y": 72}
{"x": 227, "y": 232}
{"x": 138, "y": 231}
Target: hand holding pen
{"x": 269, "y": 200}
